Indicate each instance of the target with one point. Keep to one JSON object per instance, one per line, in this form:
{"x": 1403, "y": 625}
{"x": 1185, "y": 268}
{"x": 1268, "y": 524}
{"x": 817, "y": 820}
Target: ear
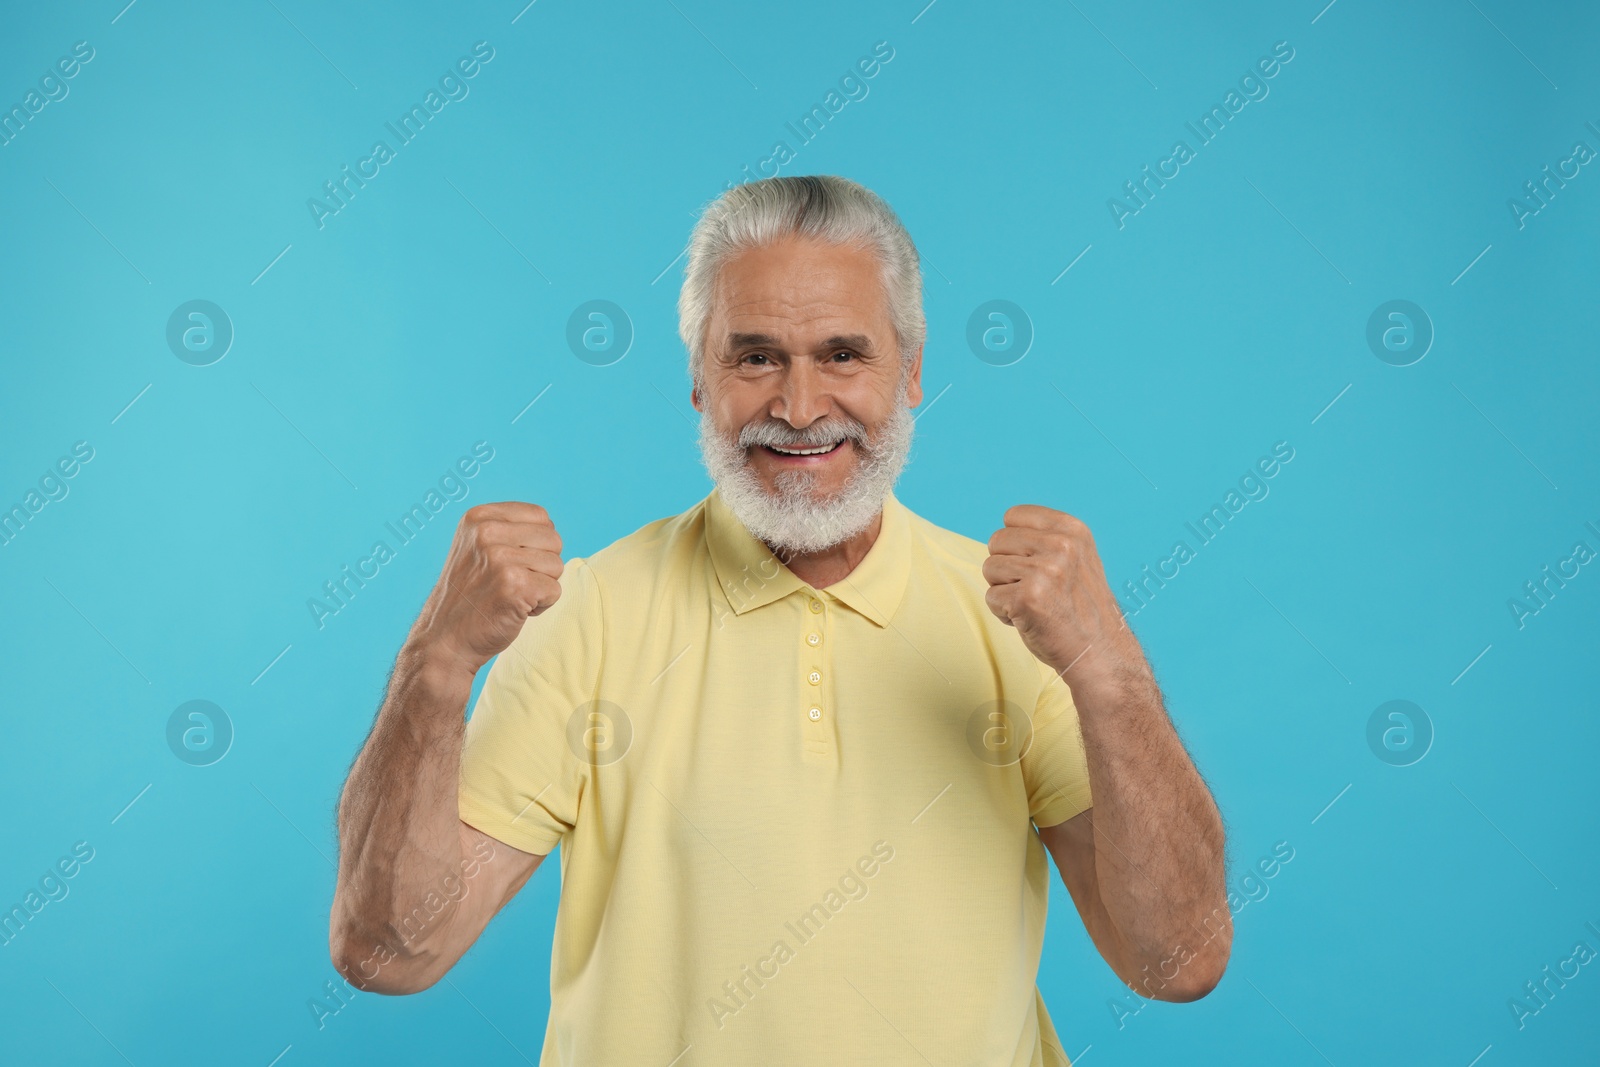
{"x": 694, "y": 398}
{"x": 914, "y": 386}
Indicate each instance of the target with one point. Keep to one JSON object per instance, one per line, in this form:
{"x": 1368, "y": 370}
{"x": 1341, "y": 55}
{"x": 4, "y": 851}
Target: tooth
{"x": 812, "y": 450}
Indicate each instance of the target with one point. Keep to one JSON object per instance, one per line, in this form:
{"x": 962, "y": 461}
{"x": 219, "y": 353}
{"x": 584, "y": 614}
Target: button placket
{"x": 811, "y": 670}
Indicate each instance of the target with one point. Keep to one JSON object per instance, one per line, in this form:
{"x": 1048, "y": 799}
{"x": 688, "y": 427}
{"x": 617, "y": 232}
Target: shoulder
{"x": 657, "y": 548}
{"x": 953, "y": 561}
{"x": 945, "y": 548}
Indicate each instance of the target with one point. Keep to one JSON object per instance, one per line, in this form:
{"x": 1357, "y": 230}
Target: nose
{"x": 804, "y": 396}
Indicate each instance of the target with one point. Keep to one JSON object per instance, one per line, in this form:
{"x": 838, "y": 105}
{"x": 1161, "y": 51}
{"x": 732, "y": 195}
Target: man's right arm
{"x": 403, "y": 846}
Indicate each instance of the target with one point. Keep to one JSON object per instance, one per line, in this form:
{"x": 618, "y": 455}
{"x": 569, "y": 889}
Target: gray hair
{"x": 820, "y": 206}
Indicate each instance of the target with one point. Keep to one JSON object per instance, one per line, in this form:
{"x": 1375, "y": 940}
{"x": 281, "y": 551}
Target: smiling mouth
{"x": 812, "y": 450}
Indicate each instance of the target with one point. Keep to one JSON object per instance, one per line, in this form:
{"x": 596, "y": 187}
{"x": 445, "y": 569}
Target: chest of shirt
{"x": 808, "y": 714}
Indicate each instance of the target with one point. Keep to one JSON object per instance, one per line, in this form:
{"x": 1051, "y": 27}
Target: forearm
{"x": 399, "y": 824}
{"x": 1158, "y": 847}
{"x": 401, "y": 904}
{"x": 1158, "y": 891}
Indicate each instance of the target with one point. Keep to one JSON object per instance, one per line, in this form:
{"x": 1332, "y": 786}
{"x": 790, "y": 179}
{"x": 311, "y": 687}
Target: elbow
{"x": 1191, "y": 987}
{"x": 1198, "y": 976}
{"x": 1186, "y": 975}
{"x": 373, "y": 966}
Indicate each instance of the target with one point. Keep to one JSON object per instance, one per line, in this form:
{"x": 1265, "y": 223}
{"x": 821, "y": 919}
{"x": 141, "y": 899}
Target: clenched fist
{"x": 503, "y": 567}
{"x": 1045, "y": 578}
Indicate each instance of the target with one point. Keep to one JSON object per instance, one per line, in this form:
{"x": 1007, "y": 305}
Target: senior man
{"x": 804, "y": 751}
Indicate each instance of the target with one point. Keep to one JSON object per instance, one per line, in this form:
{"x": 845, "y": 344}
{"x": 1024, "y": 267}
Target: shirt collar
{"x": 752, "y": 577}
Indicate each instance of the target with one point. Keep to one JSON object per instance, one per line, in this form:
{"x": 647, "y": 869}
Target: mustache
{"x": 825, "y": 432}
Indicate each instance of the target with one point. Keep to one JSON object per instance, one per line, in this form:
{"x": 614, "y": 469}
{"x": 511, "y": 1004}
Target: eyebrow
{"x": 862, "y": 342}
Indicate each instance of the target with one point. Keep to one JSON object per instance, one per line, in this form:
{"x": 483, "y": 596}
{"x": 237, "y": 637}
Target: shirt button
{"x": 815, "y": 677}
{"x": 813, "y": 639}
{"x": 815, "y": 713}
{"x": 816, "y": 607}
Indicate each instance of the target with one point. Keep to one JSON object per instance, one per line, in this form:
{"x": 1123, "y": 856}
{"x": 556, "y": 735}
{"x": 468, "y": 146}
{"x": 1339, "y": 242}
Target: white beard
{"x": 790, "y": 520}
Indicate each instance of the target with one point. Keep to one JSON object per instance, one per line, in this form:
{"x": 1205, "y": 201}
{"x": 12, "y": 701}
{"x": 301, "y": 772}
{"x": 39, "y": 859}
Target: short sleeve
{"x": 520, "y": 783}
{"x": 1055, "y": 769}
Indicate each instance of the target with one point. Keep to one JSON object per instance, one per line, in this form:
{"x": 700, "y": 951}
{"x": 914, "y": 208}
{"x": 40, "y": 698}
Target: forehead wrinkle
{"x": 796, "y": 305}
{"x": 834, "y": 340}
{"x": 812, "y": 327}
{"x": 793, "y": 296}
{"x": 801, "y": 289}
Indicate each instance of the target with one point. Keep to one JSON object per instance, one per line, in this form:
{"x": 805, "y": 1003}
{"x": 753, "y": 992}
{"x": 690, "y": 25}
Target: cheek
{"x": 731, "y": 421}
{"x": 736, "y": 406}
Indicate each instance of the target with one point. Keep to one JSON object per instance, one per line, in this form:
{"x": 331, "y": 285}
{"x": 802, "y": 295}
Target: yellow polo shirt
{"x": 795, "y": 822}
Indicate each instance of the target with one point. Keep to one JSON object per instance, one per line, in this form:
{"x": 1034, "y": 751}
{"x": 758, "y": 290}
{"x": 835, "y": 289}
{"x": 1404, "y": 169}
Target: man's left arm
{"x": 1145, "y": 864}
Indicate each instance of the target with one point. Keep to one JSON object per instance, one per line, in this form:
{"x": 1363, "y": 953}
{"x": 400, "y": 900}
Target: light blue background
{"x": 1223, "y": 318}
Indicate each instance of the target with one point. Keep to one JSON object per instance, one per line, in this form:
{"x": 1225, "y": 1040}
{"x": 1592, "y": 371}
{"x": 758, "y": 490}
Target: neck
{"x": 821, "y": 569}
